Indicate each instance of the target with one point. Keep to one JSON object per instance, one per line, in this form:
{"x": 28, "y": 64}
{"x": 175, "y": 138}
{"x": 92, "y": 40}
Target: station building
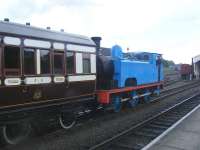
{"x": 196, "y": 63}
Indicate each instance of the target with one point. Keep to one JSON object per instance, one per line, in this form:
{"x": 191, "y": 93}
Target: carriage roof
{"x": 35, "y": 32}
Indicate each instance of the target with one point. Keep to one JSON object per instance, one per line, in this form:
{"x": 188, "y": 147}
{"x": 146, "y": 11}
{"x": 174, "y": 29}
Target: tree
{"x": 168, "y": 63}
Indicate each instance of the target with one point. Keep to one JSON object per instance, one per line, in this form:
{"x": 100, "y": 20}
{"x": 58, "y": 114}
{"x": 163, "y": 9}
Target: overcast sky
{"x": 170, "y": 27}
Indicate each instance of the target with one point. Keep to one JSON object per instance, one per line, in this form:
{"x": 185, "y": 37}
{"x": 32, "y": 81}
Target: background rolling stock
{"x": 185, "y": 71}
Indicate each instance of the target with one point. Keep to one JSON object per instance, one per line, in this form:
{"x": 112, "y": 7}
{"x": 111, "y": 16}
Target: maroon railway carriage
{"x": 41, "y": 69}
{"x": 185, "y": 71}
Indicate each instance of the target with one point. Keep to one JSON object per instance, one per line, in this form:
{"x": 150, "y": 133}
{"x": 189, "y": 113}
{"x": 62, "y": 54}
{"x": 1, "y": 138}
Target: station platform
{"x": 184, "y": 136}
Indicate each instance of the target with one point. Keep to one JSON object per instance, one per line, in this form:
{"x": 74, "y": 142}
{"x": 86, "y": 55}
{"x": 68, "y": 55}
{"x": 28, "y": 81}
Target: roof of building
{"x": 196, "y": 59}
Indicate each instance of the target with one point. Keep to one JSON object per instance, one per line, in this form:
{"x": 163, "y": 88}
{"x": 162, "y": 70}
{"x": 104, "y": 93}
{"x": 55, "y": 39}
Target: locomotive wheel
{"x": 117, "y": 104}
{"x": 157, "y": 91}
{"x": 147, "y": 97}
{"x": 15, "y": 133}
{"x": 133, "y": 102}
{"x": 67, "y": 120}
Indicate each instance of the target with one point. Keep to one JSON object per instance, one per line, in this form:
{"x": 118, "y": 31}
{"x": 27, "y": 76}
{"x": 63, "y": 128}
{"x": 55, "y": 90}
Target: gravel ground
{"x": 178, "y": 84}
{"x": 95, "y": 130}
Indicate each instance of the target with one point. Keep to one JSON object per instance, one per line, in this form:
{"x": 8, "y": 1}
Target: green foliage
{"x": 168, "y": 63}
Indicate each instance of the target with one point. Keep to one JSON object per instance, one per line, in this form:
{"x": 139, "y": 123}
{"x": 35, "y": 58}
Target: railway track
{"x": 140, "y": 135}
{"x": 170, "y": 82}
{"x": 182, "y": 87}
{"x": 164, "y": 94}
{"x": 98, "y": 118}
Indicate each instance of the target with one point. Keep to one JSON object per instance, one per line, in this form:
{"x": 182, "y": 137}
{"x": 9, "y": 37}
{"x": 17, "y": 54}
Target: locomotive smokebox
{"x": 105, "y": 66}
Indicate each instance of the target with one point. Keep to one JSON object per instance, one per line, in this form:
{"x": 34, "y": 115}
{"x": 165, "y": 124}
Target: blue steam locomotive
{"x": 128, "y": 77}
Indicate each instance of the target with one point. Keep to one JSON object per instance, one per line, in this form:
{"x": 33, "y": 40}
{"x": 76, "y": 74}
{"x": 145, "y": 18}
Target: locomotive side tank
{"x": 136, "y": 68}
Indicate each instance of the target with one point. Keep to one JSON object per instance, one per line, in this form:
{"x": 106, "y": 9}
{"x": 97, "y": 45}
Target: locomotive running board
{"x": 104, "y": 95}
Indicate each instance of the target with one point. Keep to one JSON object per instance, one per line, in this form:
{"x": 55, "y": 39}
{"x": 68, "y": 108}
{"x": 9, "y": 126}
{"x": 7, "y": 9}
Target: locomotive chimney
{"x": 28, "y": 23}
{"x": 6, "y": 19}
{"x": 97, "y": 41}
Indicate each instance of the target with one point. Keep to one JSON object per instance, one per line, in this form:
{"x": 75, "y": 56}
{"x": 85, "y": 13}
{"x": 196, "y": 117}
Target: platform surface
{"x": 185, "y": 136}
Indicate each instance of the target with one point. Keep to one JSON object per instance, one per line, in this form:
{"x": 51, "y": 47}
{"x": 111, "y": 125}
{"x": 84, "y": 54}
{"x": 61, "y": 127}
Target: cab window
{"x": 146, "y": 57}
{"x": 12, "y": 60}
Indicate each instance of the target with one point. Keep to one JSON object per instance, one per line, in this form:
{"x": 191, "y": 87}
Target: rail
{"x": 140, "y": 135}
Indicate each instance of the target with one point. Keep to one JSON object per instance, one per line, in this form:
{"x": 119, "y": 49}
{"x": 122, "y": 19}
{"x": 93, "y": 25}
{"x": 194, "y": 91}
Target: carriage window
{"x": 45, "y": 61}
{"x": 29, "y": 61}
{"x": 12, "y": 60}
{"x": 86, "y": 63}
{"x": 70, "y": 62}
{"x": 58, "y": 63}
